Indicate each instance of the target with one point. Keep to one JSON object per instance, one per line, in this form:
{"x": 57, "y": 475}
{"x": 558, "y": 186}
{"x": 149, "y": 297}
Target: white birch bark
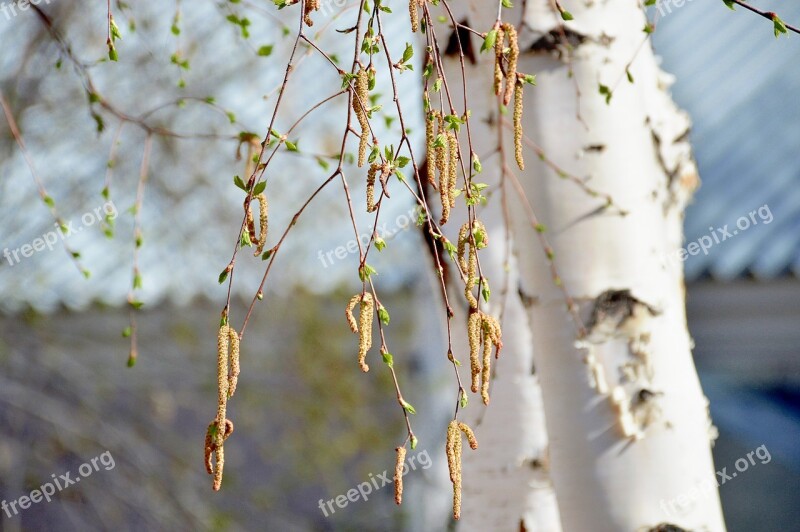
{"x": 603, "y": 478}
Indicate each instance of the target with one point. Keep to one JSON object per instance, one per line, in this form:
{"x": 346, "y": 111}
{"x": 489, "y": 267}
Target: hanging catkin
{"x": 452, "y": 167}
{"x": 373, "y": 169}
{"x": 398, "y": 474}
{"x": 430, "y": 141}
{"x": 453, "y": 447}
{"x": 474, "y": 337}
{"x": 310, "y": 5}
{"x": 360, "y": 99}
{"x": 518, "y": 101}
{"x": 513, "y": 57}
{"x": 414, "y": 15}
{"x": 499, "y": 45}
{"x": 364, "y": 325}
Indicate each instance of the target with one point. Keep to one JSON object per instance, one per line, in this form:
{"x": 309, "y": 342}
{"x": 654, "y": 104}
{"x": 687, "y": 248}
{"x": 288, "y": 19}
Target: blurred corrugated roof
{"x": 742, "y": 88}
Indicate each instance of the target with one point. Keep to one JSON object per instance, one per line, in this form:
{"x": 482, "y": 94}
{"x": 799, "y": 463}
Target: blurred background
{"x": 308, "y": 427}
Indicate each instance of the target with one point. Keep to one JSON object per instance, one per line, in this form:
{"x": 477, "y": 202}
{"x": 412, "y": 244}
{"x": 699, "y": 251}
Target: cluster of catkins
{"x": 453, "y": 451}
{"x": 385, "y": 171}
{"x": 513, "y": 82}
{"x": 363, "y": 327}
{"x": 443, "y": 156}
{"x": 227, "y": 377}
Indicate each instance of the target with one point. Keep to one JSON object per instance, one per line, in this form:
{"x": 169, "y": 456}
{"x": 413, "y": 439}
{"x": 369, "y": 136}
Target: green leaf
{"x": 388, "y": 359}
{"x": 126, "y": 332}
{"x": 489, "y": 41}
{"x": 259, "y": 188}
{"x": 223, "y": 275}
{"x": 239, "y": 183}
{"x": 266, "y": 50}
{"x": 383, "y": 314}
{"x": 410, "y": 409}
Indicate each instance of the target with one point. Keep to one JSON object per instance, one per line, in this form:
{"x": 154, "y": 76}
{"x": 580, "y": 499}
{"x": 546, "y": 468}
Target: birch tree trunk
{"x": 628, "y": 425}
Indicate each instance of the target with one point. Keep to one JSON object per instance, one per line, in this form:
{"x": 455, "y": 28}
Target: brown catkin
{"x": 499, "y": 44}
{"x": 473, "y": 442}
{"x": 371, "y": 206}
{"x": 251, "y": 224}
{"x": 348, "y": 312}
{"x": 414, "y": 14}
{"x": 310, "y": 5}
{"x": 453, "y": 448}
{"x": 518, "y": 94}
{"x": 495, "y": 333}
{"x": 468, "y": 260}
{"x": 209, "y": 448}
{"x": 474, "y": 337}
{"x": 219, "y": 466}
{"x": 365, "y": 319}
{"x": 513, "y": 57}
{"x": 210, "y": 443}
{"x": 233, "y": 379}
{"x": 398, "y": 474}
{"x": 486, "y": 371}
{"x": 360, "y": 99}
{"x": 223, "y": 341}
{"x": 452, "y": 167}
{"x": 430, "y": 140}
{"x": 463, "y": 240}
{"x": 441, "y": 148}
{"x": 472, "y": 277}
{"x": 263, "y": 220}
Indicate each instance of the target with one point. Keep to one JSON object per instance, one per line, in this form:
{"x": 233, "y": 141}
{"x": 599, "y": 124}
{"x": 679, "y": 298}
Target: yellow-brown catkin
{"x": 441, "y": 149}
{"x": 360, "y": 99}
{"x": 513, "y": 57}
{"x": 473, "y": 442}
{"x": 452, "y": 167}
{"x": 310, "y": 5}
{"x": 499, "y": 44}
{"x": 263, "y": 221}
{"x": 492, "y": 335}
{"x": 486, "y": 371}
{"x": 233, "y": 379}
{"x": 348, "y": 312}
{"x": 474, "y": 337}
{"x": 365, "y": 319}
{"x": 492, "y": 326}
{"x": 468, "y": 260}
{"x": 518, "y": 93}
{"x": 223, "y": 343}
{"x": 398, "y": 474}
{"x": 414, "y": 14}
{"x": 430, "y": 140}
{"x": 251, "y": 224}
{"x": 463, "y": 240}
{"x": 371, "y": 206}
